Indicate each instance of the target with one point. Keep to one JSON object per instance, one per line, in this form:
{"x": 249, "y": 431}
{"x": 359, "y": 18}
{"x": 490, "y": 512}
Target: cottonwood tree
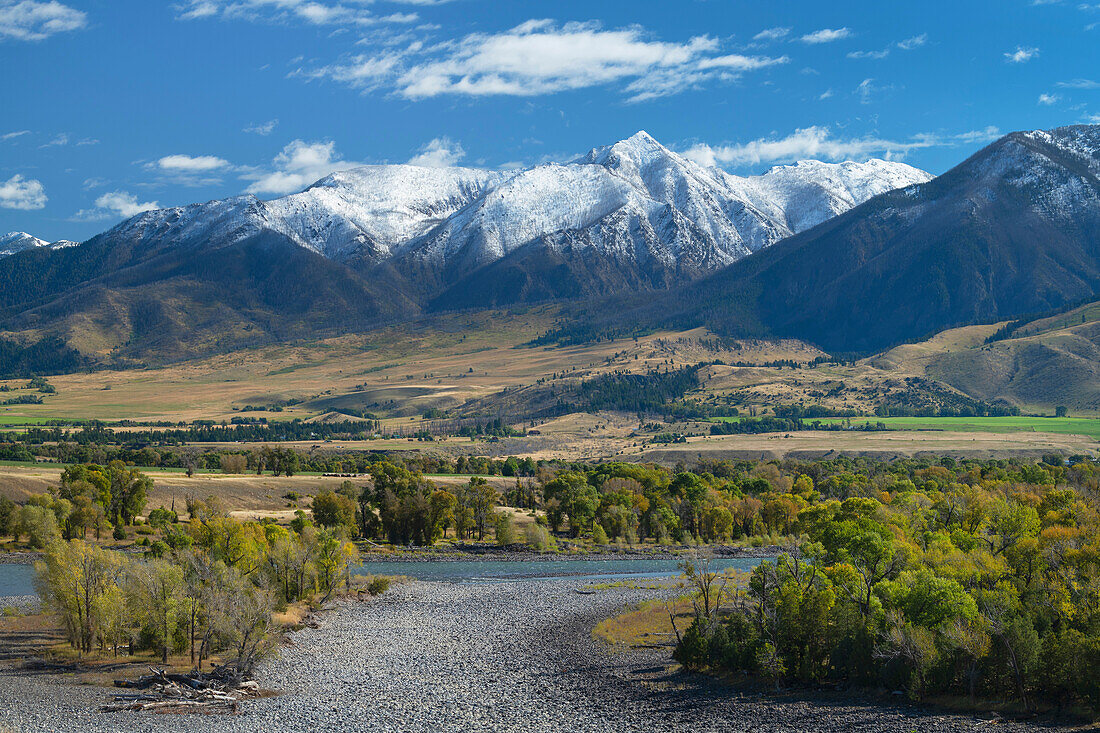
{"x": 72, "y": 578}
{"x": 155, "y": 595}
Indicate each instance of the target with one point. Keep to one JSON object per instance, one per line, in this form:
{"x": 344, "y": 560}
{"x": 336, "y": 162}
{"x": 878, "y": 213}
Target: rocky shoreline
{"x": 19, "y": 558}
{"x": 523, "y": 553}
{"x": 505, "y": 656}
{"x": 23, "y": 605}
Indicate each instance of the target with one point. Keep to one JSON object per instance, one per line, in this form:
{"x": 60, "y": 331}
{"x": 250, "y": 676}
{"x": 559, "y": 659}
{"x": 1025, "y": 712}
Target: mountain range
{"x": 1014, "y": 230}
{"x": 378, "y": 243}
{"x": 853, "y": 257}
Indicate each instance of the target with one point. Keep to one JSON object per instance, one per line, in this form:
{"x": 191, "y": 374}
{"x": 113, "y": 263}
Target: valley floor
{"x": 509, "y": 656}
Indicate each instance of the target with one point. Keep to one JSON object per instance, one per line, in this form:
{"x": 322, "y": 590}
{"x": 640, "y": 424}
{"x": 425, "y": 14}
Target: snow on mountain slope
{"x": 13, "y": 242}
{"x": 634, "y": 201}
{"x": 367, "y": 210}
{"x": 642, "y": 200}
{"x": 805, "y": 194}
{"x": 379, "y": 206}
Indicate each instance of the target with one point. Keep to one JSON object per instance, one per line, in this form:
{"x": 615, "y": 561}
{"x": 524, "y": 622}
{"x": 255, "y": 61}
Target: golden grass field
{"x": 249, "y": 496}
{"x": 447, "y": 361}
{"x": 455, "y": 359}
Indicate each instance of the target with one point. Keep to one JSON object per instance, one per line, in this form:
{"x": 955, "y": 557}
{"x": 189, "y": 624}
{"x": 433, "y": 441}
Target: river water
{"x": 18, "y": 580}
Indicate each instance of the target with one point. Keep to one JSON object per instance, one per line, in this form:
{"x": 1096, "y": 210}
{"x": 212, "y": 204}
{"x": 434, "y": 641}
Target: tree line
{"x": 974, "y": 579}
{"x": 210, "y": 586}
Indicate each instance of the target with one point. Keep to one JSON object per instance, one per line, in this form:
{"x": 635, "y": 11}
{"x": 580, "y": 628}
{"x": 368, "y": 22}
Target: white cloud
{"x": 58, "y": 141}
{"x": 22, "y": 193}
{"x": 906, "y": 45}
{"x": 818, "y": 142}
{"x": 439, "y": 153}
{"x": 865, "y": 90}
{"x": 297, "y": 166}
{"x": 115, "y": 205}
{"x": 737, "y": 62}
{"x": 1079, "y": 84}
{"x": 826, "y": 35}
{"x": 264, "y": 128}
{"x": 771, "y": 34}
{"x": 29, "y": 20}
{"x": 191, "y": 164}
{"x": 826, "y": 94}
{"x": 12, "y": 135}
{"x": 1048, "y": 99}
{"x": 869, "y": 54}
{"x": 915, "y": 42}
{"x": 1021, "y": 55}
{"x": 541, "y": 57}
{"x": 350, "y": 12}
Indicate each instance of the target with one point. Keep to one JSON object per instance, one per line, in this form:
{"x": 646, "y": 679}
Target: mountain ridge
{"x": 1014, "y": 229}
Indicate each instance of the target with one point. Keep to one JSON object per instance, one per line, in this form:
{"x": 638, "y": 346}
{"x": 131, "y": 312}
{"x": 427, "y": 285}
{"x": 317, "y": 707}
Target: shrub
{"x": 119, "y": 533}
{"x": 161, "y": 517}
{"x": 537, "y": 537}
{"x": 234, "y": 463}
{"x": 158, "y": 549}
{"x": 378, "y": 585}
{"x": 599, "y": 536}
{"x": 505, "y": 530}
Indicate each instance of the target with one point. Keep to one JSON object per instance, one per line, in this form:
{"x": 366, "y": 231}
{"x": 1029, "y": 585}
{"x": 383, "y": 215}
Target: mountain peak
{"x": 639, "y": 149}
{"x": 13, "y": 242}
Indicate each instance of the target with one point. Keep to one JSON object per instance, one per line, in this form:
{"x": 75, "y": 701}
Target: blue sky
{"x": 113, "y": 106}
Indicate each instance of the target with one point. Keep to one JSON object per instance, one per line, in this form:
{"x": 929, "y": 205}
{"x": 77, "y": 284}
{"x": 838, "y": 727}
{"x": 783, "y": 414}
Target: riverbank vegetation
{"x": 204, "y": 587}
{"x": 967, "y": 579}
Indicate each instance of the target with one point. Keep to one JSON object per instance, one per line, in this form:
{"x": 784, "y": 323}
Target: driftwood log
{"x": 219, "y": 691}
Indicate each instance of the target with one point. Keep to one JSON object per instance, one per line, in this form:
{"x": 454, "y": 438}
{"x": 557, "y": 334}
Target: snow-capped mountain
{"x": 13, "y": 242}
{"x": 368, "y": 210}
{"x": 633, "y": 202}
{"x": 637, "y": 201}
{"x": 1012, "y": 230}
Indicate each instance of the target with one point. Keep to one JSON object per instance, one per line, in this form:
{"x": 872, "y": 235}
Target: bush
{"x": 234, "y": 463}
{"x": 505, "y": 530}
{"x": 599, "y": 536}
{"x": 378, "y": 585}
{"x": 119, "y": 533}
{"x": 161, "y": 517}
{"x": 537, "y": 537}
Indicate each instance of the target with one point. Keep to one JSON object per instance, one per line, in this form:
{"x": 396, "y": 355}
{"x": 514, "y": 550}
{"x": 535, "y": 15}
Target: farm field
{"x": 248, "y": 496}
{"x": 1064, "y": 425}
{"x": 811, "y": 445}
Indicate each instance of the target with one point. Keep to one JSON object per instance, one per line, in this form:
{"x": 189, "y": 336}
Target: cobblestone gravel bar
{"x": 507, "y": 656}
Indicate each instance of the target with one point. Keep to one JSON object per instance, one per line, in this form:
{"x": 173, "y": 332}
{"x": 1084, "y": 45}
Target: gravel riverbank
{"x": 508, "y": 656}
{"x": 22, "y": 604}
